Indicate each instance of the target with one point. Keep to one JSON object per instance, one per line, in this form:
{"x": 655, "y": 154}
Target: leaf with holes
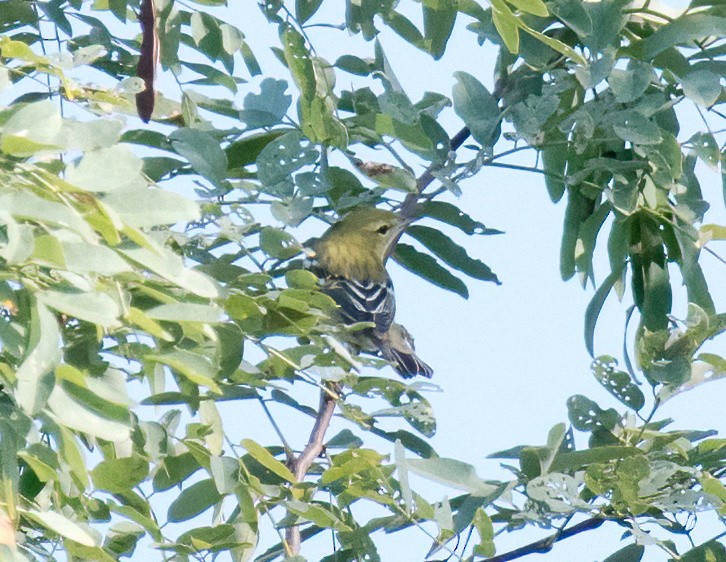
{"x": 586, "y": 415}
{"x": 618, "y": 383}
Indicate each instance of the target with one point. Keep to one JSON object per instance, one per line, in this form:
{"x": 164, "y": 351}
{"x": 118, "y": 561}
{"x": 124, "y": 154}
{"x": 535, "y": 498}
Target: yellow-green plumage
{"x": 358, "y": 246}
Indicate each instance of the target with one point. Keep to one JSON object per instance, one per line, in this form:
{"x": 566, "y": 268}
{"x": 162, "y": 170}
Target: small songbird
{"x": 350, "y": 258}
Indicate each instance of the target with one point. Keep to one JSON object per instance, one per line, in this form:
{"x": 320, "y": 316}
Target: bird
{"x": 350, "y": 259}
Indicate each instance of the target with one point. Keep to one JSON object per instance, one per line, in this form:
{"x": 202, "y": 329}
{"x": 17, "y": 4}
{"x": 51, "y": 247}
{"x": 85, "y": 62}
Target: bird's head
{"x": 366, "y": 235}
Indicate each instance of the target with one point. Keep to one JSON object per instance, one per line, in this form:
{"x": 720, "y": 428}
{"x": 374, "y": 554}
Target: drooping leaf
{"x": 451, "y": 253}
{"x": 265, "y": 458}
{"x": 594, "y": 308}
{"x": 618, "y": 383}
{"x": 194, "y": 500}
{"x": 428, "y": 268}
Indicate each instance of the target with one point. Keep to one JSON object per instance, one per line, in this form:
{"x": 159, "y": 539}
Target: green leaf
{"x": 174, "y": 470}
{"x": 104, "y": 394}
{"x": 301, "y": 279}
{"x": 280, "y": 158}
{"x": 693, "y": 276}
{"x": 168, "y": 265}
{"x": 203, "y": 152}
{"x": 554, "y": 160}
{"x": 345, "y": 439}
{"x": 555, "y": 44}
{"x": 535, "y": 7}
{"x": 305, "y": 9}
{"x": 439, "y": 20}
{"x": 263, "y": 456}
{"x": 245, "y": 151}
{"x": 451, "y": 214}
{"x": 195, "y": 367}
{"x": 711, "y": 551}
{"x": 579, "y": 209}
{"x": 477, "y": 108}
{"x": 98, "y": 308}
{"x": 107, "y": 170}
{"x": 278, "y": 244}
{"x": 682, "y": 30}
{"x": 35, "y": 374}
{"x": 706, "y": 148}
{"x": 299, "y": 62}
{"x": 353, "y": 65}
{"x": 618, "y": 383}
{"x": 119, "y": 475}
{"x": 426, "y": 267}
{"x": 406, "y": 29}
{"x": 484, "y": 526}
{"x": 225, "y": 471}
{"x": 595, "y": 305}
{"x": 60, "y": 524}
{"x": 452, "y": 473}
{"x": 214, "y": 437}
{"x": 402, "y": 470}
{"x": 507, "y": 25}
{"x": 451, "y": 253}
{"x": 269, "y": 107}
{"x": 74, "y": 414}
{"x": 194, "y": 500}
{"x": 578, "y": 460}
{"x": 629, "y": 84}
{"x": 42, "y": 460}
{"x": 84, "y": 258}
{"x": 586, "y": 415}
{"x": 657, "y": 298}
{"x": 26, "y": 205}
{"x": 634, "y": 127}
{"x": 248, "y": 57}
{"x": 31, "y": 128}
{"x": 146, "y": 207}
{"x": 703, "y": 87}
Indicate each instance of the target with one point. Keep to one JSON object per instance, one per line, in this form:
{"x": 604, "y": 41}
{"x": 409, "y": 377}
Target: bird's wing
{"x": 363, "y": 301}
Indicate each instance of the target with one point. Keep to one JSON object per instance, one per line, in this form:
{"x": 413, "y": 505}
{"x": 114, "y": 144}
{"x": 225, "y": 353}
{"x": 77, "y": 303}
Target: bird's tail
{"x": 407, "y": 363}
{"x": 397, "y": 347}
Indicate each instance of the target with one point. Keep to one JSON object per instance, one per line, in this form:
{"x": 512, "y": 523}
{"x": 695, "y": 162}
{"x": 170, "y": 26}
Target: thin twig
{"x": 312, "y": 451}
{"x": 288, "y": 450}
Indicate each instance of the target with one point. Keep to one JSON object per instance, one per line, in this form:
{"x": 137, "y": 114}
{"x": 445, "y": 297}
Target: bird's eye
{"x": 383, "y": 229}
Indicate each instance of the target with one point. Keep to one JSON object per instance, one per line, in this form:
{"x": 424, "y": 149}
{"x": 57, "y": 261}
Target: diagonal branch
{"x": 408, "y": 207}
{"x": 301, "y": 464}
{"x": 546, "y": 544}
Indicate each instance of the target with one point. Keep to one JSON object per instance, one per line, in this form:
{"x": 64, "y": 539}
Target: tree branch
{"x": 312, "y": 450}
{"x": 546, "y": 544}
{"x": 408, "y": 207}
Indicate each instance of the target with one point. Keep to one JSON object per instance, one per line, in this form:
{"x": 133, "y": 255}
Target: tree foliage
{"x": 158, "y": 265}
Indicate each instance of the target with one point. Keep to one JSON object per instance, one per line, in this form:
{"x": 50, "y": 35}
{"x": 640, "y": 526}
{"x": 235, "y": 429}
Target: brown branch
{"x": 301, "y": 464}
{"x": 408, "y": 207}
{"x": 545, "y": 545}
